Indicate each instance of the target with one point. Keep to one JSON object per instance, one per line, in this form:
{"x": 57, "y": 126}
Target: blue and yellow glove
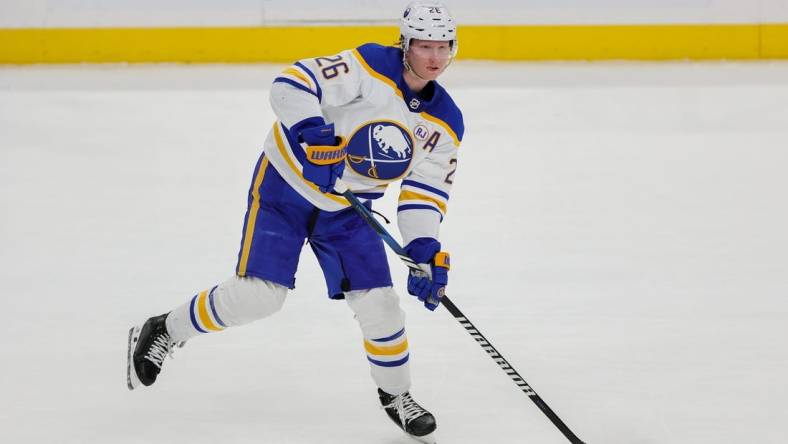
{"x": 325, "y": 155}
{"x": 430, "y": 286}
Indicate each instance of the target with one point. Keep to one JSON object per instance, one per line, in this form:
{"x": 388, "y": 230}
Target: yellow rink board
{"x": 285, "y": 44}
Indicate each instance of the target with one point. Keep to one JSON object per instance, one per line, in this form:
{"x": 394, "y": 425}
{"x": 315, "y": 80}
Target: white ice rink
{"x": 619, "y": 231}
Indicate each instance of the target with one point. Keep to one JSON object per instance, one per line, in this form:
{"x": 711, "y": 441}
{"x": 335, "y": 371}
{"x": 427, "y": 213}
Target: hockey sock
{"x": 236, "y": 301}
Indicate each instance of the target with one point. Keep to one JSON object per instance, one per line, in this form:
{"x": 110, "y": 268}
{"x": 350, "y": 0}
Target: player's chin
{"x": 432, "y": 73}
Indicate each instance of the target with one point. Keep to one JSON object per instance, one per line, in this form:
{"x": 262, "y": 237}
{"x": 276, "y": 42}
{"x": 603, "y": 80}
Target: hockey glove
{"x": 325, "y": 156}
{"x": 429, "y": 286}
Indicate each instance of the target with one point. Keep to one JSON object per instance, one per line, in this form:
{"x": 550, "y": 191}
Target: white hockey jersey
{"x": 392, "y": 133}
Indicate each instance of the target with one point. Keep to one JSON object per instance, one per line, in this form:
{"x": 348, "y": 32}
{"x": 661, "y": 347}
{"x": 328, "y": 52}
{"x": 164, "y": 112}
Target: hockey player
{"x": 368, "y": 116}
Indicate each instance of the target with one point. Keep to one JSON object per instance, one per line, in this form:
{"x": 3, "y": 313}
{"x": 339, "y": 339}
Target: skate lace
{"x": 406, "y": 407}
{"x": 161, "y": 348}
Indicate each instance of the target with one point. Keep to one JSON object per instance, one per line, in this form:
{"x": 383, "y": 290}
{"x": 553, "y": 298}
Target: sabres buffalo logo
{"x": 381, "y": 150}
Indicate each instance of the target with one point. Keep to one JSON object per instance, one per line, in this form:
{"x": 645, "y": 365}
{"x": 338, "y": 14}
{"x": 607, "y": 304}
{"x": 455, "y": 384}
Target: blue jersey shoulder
{"x": 387, "y": 61}
{"x": 448, "y": 111}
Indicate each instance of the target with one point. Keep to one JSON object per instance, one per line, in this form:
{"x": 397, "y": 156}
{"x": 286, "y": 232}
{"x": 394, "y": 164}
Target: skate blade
{"x": 426, "y": 439}
{"x": 132, "y": 381}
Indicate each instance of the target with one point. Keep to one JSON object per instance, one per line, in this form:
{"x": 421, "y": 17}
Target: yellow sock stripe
{"x": 252, "y": 220}
{"x": 412, "y": 195}
{"x": 295, "y": 73}
{"x": 280, "y": 144}
{"x": 392, "y": 350}
{"x": 202, "y": 310}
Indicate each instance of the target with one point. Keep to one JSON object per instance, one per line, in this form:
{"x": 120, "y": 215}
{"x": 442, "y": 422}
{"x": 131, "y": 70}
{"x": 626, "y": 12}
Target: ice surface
{"x": 618, "y": 231}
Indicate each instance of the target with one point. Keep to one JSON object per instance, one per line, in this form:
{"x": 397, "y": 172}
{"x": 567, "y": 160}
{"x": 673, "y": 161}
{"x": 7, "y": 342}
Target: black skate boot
{"x": 409, "y": 416}
{"x": 149, "y": 344}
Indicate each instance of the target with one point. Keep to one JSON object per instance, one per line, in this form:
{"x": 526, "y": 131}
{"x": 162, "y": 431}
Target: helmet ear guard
{"x": 427, "y": 20}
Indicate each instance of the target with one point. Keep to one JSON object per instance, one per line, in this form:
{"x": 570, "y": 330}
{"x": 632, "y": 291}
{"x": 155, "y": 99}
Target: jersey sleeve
{"x": 424, "y": 194}
{"x": 301, "y": 92}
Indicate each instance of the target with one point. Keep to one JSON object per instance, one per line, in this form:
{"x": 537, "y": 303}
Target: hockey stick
{"x": 367, "y": 215}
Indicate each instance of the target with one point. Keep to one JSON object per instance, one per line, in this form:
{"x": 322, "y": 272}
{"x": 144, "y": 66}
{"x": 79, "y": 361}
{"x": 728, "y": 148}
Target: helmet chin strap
{"x": 410, "y": 69}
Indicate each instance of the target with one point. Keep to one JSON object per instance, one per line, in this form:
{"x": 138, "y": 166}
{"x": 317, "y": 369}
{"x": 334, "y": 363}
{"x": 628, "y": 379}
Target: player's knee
{"x": 377, "y": 311}
{"x": 266, "y": 297}
{"x": 243, "y": 300}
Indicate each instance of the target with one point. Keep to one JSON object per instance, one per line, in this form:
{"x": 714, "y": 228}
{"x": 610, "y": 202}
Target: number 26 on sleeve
{"x": 332, "y": 69}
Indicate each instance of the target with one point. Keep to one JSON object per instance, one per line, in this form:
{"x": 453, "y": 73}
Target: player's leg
{"x": 237, "y": 301}
{"x": 234, "y": 302}
{"x": 275, "y": 226}
{"x": 382, "y": 324}
{"x": 274, "y": 230}
{"x": 378, "y": 314}
{"x": 355, "y": 266}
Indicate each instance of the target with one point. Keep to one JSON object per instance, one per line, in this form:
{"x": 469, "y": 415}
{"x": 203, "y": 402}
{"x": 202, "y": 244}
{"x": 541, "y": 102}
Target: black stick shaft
{"x": 508, "y": 369}
{"x": 367, "y": 215}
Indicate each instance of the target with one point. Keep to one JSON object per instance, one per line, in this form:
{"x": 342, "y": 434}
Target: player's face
{"x": 429, "y": 58}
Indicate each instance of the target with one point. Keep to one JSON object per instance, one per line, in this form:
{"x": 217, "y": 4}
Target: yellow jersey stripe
{"x": 202, "y": 308}
{"x": 386, "y": 351}
{"x": 412, "y": 195}
{"x": 295, "y": 73}
{"x": 377, "y": 75}
{"x": 252, "y": 219}
{"x": 291, "y": 164}
{"x": 445, "y": 126}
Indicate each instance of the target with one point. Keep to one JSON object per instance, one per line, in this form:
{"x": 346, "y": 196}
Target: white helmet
{"x": 428, "y": 20}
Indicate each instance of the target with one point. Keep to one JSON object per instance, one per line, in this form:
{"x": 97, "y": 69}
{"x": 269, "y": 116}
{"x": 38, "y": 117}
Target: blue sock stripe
{"x": 392, "y": 337}
{"x": 194, "y": 318}
{"x": 391, "y": 363}
{"x": 213, "y": 307}
{"x": 419, "y": 207}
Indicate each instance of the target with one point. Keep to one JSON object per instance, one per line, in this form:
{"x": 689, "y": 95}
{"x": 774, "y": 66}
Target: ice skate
{"x": 413, "y": 419}
{"x": 149, "y": 344}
